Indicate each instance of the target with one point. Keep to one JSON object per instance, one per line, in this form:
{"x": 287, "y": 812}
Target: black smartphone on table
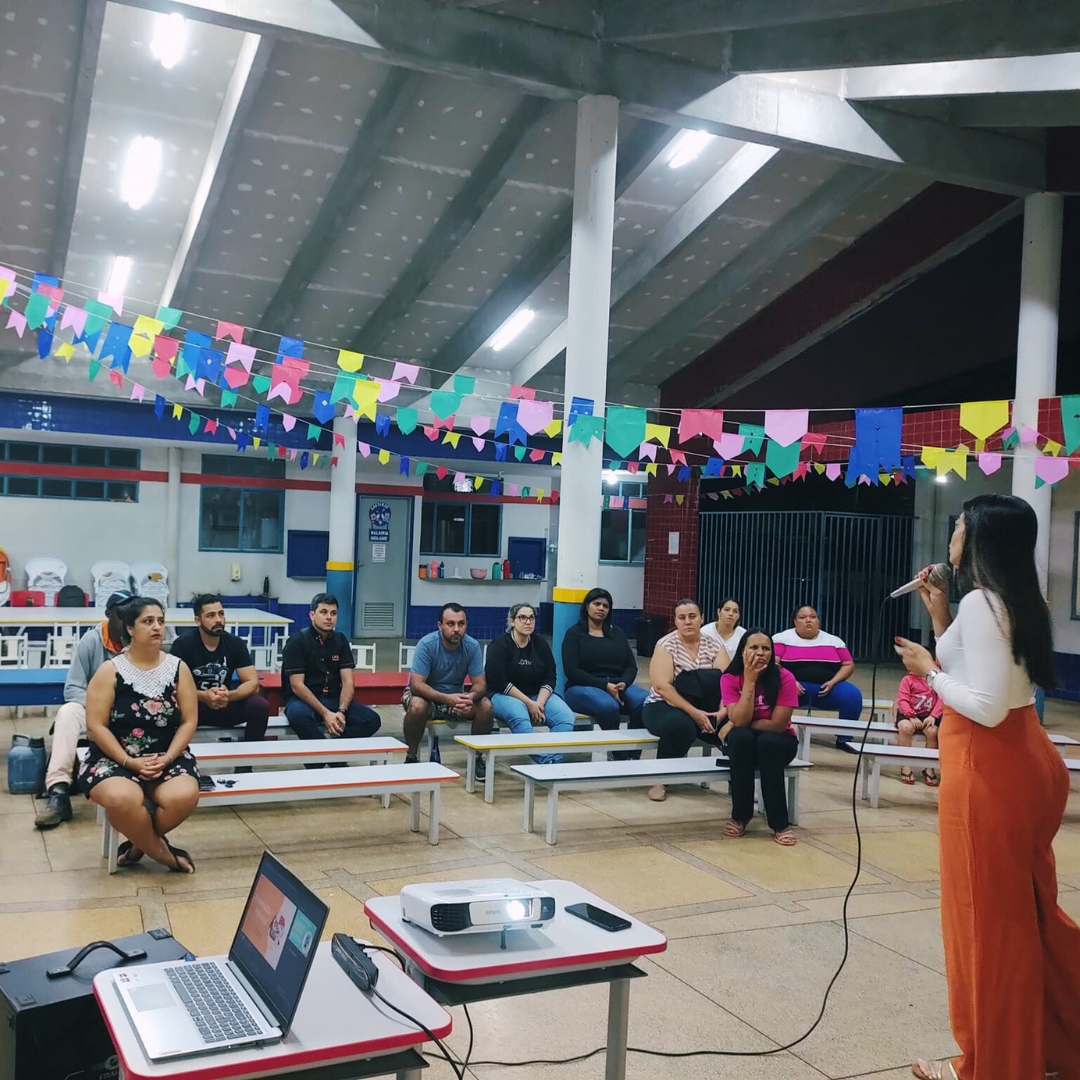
{"x": 598, "y": 916}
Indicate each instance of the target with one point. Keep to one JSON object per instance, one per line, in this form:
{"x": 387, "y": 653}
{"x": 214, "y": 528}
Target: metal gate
{"x": 843, "y": 564}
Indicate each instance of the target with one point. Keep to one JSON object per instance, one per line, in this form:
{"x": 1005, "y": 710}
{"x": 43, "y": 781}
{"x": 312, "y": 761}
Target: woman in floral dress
{"x": 141, "y": 712}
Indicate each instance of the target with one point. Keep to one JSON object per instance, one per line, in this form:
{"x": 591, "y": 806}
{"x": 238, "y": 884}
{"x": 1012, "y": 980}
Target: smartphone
{"x": 606, "y": 920}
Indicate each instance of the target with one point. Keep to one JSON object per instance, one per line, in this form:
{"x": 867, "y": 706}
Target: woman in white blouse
{"x": 1012, "y": 956}
{"x": 726, "y": 629}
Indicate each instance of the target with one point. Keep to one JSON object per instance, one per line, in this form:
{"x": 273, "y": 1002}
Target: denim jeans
{"x": 361, "y": 721}
{"x": 604, "y": 709}
{"x": 557, "y": 715}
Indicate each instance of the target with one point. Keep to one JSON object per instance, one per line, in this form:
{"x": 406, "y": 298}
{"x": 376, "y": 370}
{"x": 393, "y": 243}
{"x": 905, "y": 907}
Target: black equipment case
{"x": 50, "y": 1024}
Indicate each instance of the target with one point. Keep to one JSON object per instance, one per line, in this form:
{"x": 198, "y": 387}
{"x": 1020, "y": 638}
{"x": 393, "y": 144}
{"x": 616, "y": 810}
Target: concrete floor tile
{"x": 390, "y": 886}
{"x": 22, "y": 848}
{"x": 1067, "y": 851}
{"x": 830, "y": 908}
{"x": 914, "y": 934}
{"x": 729, "y": 921}
{"x": 638, "y": 878}
{"x": 781, "y": 997}
{"x": 29, "y": 933}
{"x": 911, "y": 854}
{"x": 764, "y": 863}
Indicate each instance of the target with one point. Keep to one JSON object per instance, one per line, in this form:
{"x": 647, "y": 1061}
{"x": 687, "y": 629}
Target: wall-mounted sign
{"x": 379, "y": 523}
{"x": 378, "y": 553}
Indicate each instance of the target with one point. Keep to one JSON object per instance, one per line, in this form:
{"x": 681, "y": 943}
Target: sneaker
{"x": 411, "y": 759}
{"x": 481, "y": 767}
{"x": 843, "y": 742}
{"x": 57, "y": 809}
{"x": 435, "y": 756}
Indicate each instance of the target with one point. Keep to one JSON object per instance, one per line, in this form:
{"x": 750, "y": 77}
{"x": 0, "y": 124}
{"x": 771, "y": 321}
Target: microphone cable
{"x": 460, "y": 1066}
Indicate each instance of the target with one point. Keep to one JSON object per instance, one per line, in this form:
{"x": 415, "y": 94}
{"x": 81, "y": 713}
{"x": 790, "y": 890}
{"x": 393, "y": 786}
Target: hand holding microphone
{"x": 935, "y": 576}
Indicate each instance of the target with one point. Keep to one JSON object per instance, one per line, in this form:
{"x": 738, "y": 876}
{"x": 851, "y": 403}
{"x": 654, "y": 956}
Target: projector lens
{"x": 515, "y": 909}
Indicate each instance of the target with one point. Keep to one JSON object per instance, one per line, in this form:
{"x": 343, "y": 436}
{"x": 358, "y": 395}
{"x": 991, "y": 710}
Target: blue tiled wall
{"x": 1067, "y": 668}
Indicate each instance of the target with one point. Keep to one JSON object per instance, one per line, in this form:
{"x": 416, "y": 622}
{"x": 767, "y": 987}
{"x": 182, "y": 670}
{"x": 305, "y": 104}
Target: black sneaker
{"x": 411, "y": 759}
{"x": 57, "y": 809}
{"x": 481, "y": 767}
{"x": 435, "y": 754}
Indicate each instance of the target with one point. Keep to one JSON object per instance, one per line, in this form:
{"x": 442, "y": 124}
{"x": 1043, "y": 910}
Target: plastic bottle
{"x": 433, "y": 570}
{"x": 442, "y": 569}
{"x": 507, "y": 572}
{"x": 26, "y": 765}
{"x": 496, "y": 571}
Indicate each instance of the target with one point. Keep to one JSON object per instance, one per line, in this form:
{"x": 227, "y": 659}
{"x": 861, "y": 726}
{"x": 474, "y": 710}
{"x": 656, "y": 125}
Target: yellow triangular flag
{"x": 365, "y": 396}
{"x": 650, "y": 469}
{"x": 256, "y": 442}
{"x": 452, "y": 438}
{"x": 384, "y": 457}
{"x": 64, "y": 349}
{"x": 556, "y": 457}
{"x": 140, "y": 346}
{"x": 1051, "y": 447}
{"x": 736, "y": 470}
{"x": 553, "y": 428}
{"x": 885, "y": 478}
{"x": 478, "y": 483}
{"x": 147, "y": 328}
{"x": 177, "y": 411}
{"x": 539, "y": 494}
{"x": 819, "y": 468}
{"x": 660, "y": 432}
{"x": 350, "y": 361}
{"x": 679, "y": 499}
{"x": 315, "y": 459}
{"x": 983, "y": 418}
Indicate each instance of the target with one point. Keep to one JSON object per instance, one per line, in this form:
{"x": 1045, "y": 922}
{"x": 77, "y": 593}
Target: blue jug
{"x": 26, "y": 765}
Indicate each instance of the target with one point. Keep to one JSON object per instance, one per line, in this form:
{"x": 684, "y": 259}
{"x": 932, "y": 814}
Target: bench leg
{"x": 433, "y": 816}
{"x": 618, "y": 1029}
{"x": 793, "y": 798}
{"x": 385, "y": 760}
{"x": 865, "y": 779}
{"x": 552, "y": 814}
{"x": 875, "y": 784}
{"x": 804, "y": 744}
{"x": 530, "y": 801}
{"x": 489, "y": 777}
{"x": 114, "y": 845}
{"x": 470, "y": 770}
{"x": 414, "y": 799}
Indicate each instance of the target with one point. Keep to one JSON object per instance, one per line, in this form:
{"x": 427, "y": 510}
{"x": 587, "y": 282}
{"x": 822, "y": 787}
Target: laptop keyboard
{"x": 211, "y": 1002}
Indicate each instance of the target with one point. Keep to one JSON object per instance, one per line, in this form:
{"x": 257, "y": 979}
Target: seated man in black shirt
{"x": 214, "y": 656}
{"x": 317, "y": 677}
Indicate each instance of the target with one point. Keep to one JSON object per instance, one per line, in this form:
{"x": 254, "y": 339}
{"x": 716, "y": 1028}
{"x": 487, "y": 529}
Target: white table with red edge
{"x": 338, "y": 1032}
{"x": 458, "y": 969}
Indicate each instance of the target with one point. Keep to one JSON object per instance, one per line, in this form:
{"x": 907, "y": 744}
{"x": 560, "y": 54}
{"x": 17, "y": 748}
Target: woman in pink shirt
{"x": 917, "y": 709}
{"x": 760, "y": 697}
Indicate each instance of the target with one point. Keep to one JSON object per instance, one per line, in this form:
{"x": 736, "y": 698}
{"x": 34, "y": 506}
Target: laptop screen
{"x": 277, "y": 937}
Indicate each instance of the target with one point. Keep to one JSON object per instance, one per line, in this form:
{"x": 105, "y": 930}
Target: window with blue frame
{"x": 458, "y": 527}
{"x": 622, "y": 531}
{"x": 31, "y": 483}
{"x": 240, "y": 517}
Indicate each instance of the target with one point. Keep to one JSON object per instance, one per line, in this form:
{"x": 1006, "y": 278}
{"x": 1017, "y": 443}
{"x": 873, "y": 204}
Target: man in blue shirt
{"x": 436, "y": 687}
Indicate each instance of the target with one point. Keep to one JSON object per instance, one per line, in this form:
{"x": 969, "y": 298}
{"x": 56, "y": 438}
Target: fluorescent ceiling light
{"x": 512, "y": 327}
{"x": 942, "y": 478}
{"x": 141, "y": 169}
{"x": 169, "y": 39}
{"x": 687, "y": 147}
{"x": 118, "y": 277}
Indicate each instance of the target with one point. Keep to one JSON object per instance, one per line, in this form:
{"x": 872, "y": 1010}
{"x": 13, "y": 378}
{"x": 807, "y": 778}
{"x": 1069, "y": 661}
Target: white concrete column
{"x": 586, "y": 354}
{"x": 340, "y": 562}
{"x": 172, "y": 523}
{"x": 1036, "y": 350}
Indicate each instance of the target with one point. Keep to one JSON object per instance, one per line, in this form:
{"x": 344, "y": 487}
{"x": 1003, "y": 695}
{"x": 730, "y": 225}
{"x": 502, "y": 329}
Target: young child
{"x": 917, "y": 709}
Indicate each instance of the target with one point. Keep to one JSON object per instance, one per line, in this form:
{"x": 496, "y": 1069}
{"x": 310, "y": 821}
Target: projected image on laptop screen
{"x": 277, "y": 935}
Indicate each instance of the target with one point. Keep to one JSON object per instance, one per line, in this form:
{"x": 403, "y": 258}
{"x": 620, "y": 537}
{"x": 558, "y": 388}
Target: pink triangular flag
{"x": 633, "y": 466}
{"x": 339, "y": 440}
{"x": 232, "y": 433}
{"x": 814, "y": 441}
{"x": 408, "y": 372}
{"x": 525, "y": 393}
{"x": 647, "y": 450}
{"x": 17, "y": 322}
{"x": 459, "y": 478}
{"x": 480, "y": 424}
{"x": 1051, "y": 470}
{"x": 195, "y": 384}
{"x": 241, "y": 354}
{"x": 431, "y": 432}
{"x": 534, "y": 416}
{"x": 786, "y": 426}
{"x": 137, "y": 392}
{"x": 729, "y": 445}
{"x": 832, "y": 470}
{"x": 116, "y": 377}
{"x": 511, "y": 489}
{"x": 288, "y": 421}
{"x": 388, "y": 389}
{"x": 989, "y": 463}
{"x": 161, "y": 368}
{"x": 292, "y": 455}
{"x": 1028, "y": 436}
{"x": 479, "y": 443}
{"x": 229, "y": 330}
{"x": 211, "y": 426}
{"x": 668, "y": 499}
{"x": 236, "y": 377}
{"x": 536, "y": 455}
{"x": 73, "y": 316}
{"x": 677, "y": 457}
{"x": 365, "y": 450}
{"x": 114, "y": 300}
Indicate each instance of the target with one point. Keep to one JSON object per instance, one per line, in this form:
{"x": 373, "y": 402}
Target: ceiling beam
{"x": 641, "y": 148}
{"x": 1017, "y": 110}
{"x": 733, "y": 175}
{"x": 685, "y": 18}
{"x": 549, "y": 62}
{"x": 236, "y": 106}
{"x": 459, "y": 217}
{"x": 953, "y": 32}
{"x": 373, "y": 137}
{"x": 75, "y": 143}
{"x": 806, "y": 220}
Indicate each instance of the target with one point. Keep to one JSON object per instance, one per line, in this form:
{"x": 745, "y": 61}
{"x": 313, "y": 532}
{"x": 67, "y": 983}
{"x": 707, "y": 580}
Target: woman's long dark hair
{"x": 999, "y": 556}
{"x": 769, "y": 679}
{"x": 590, "y": 596}
{"x": 130, "y": 613}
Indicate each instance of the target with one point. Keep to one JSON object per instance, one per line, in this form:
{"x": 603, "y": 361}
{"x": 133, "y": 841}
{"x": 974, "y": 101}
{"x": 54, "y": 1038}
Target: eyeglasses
{"x": 525, "y": 618}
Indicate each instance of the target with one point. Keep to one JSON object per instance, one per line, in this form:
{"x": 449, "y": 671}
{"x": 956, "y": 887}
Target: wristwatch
{"x": 930, "y": 676}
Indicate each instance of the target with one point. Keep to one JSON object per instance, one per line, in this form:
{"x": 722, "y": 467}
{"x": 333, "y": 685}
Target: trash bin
{"x": 650, "y": 629}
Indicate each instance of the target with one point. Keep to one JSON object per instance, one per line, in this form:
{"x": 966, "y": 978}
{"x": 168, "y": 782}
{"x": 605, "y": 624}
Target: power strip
{"x": 355, "y": 962}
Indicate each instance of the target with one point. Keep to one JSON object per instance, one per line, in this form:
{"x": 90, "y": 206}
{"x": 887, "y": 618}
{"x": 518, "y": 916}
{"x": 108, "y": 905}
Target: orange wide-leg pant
{"x": 1012, "y": 956}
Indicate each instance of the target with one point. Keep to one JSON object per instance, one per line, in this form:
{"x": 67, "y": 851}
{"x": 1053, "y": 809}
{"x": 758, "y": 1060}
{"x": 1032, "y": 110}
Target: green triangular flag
{"x": 98, "y": 316}
{"x": 755, "y": 471}
{"x": 92, "y": 370}
{"x": 464, "y": 384}
{"x": 169, "y": 316}
{"x": 519, "y": 452}
{"x": 343, "y": 387}
{"x": 228, "y": 399}
{"x": 261, "y": 383}
{"x": 1070, "y": 422}
{"x": 36, "y": 309}
{"x": 406, "y": 420}
{"x": 782, "y": 460}
{"x": 445, "y": 403}
{"x": 313, "y": 432}
{"x": 421, "y": 468}
{"x": 193, "y": 422}
{"x": 586, "y": 428}
{"x": 753, "y": 434}
{"x": 625, "y": 429}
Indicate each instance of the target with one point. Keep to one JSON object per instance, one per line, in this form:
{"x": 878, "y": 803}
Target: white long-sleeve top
{"x": 979, "y": 677}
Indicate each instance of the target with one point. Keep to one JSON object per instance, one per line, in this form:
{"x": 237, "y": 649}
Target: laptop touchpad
{"x": 146, "y": 998}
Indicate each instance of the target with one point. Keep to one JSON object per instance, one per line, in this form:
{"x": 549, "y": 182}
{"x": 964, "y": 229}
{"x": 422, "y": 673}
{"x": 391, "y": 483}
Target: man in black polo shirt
{"x": 214, "y": 656}
{"x": 317, "y": 677}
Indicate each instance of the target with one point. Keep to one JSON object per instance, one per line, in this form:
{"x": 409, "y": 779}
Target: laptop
{"x": 249, "y": 997}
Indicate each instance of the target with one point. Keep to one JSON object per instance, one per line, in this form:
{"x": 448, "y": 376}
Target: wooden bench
{"x": 917, "y": 756}
{"x": 597, "y": 775}
{"x": 807, "y": 725}
{"x": 296, "y": 785}
{"x": 542, "y": 741}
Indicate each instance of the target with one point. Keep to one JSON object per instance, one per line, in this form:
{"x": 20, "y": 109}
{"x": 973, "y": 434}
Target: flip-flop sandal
{"x": 934, "y": 1070}
{"x": 929, "y": 779}
{"x": 734, "y": 828}
{"x": 907, "y": 776}
{"x": 122, "y": 851}
{"x": 786, "y": 838}
{"x": 179, "y": 853}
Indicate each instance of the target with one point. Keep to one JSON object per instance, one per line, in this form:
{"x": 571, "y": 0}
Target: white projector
{"x": 476, "y": 907}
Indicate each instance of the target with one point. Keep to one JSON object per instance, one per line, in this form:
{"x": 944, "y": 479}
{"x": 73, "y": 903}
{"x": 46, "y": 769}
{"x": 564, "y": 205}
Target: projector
{"x": 476, "y": 907}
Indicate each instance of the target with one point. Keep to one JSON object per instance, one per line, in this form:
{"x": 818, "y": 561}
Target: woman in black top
{"x": 520, "y": 672}
{"x": 600, "y": 669}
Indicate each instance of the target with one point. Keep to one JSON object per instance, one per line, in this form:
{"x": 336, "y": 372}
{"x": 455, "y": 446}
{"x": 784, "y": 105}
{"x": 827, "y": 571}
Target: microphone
{"x": 939, "y": 574}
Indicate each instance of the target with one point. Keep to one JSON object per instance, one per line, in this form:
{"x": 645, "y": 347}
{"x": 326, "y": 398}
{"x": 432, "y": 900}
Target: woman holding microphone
{"x": 1012, "y": 956}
